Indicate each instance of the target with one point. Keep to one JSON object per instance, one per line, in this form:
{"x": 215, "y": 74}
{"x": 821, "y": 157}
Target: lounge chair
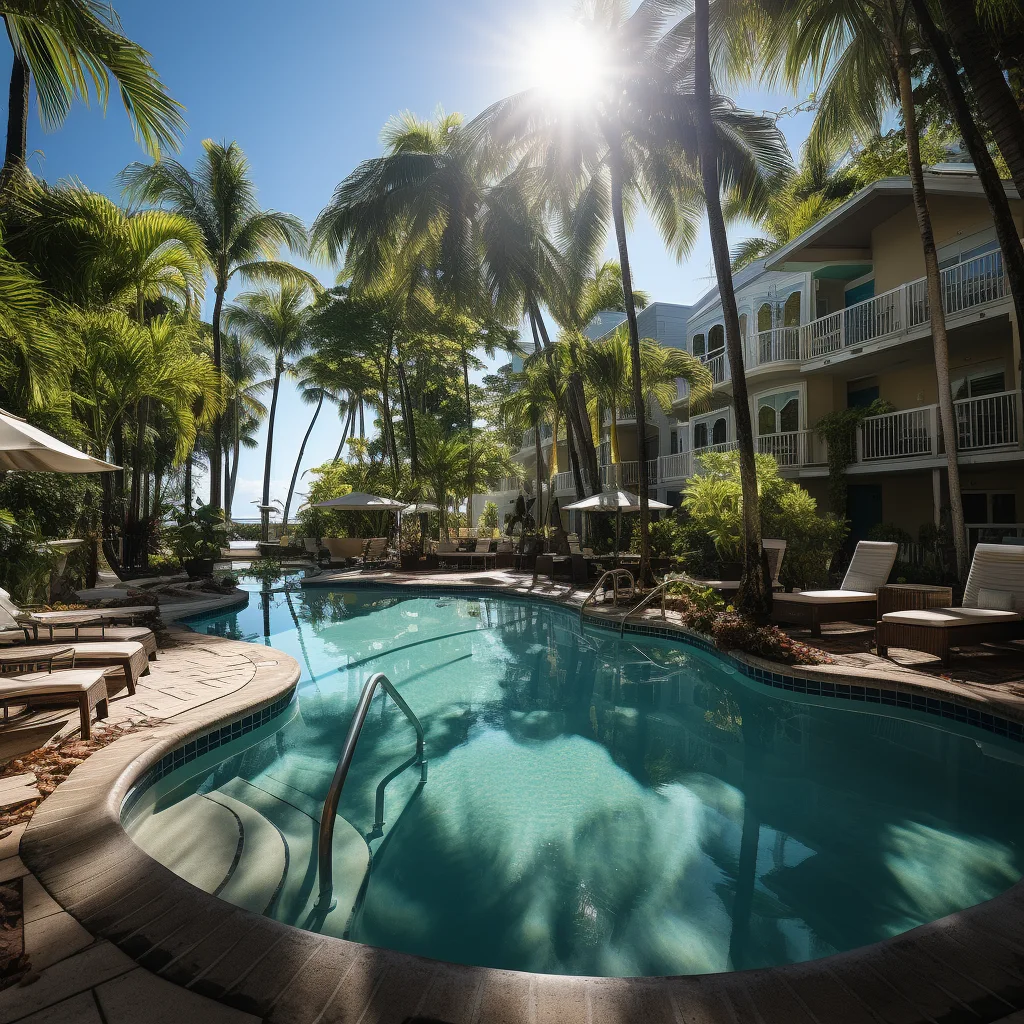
{"x": 775, "y": 550}
{"x": 130, "y": 658}
{"x": 856, "y": 598}
{"x": 992, "y": 610}
{"x": 481, "y": 550}
{"x": 82, "y": 688}
{"x": 375, "y": 550}
{"x": 86, "y": 625}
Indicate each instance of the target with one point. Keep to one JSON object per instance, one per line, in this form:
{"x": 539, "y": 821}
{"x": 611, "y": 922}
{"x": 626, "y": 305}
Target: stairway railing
{"x": 325, "y": 843}
{"x": 615, "y": 574}
{"x": 648, "y": 597}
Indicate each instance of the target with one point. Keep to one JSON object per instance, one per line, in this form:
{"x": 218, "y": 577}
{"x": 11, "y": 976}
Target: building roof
{"x": 845, "y": 233}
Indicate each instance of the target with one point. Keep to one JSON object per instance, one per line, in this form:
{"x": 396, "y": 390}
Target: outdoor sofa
{"x": 857, "y": 596}
{"x": 992, "y": 609}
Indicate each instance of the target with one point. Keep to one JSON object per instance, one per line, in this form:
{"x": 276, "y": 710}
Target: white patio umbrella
{"x": 28, "y": 449}
{"x": 418, "y": 507}
{"x": 617, "y": 502}
{"x": 359, "y": 499}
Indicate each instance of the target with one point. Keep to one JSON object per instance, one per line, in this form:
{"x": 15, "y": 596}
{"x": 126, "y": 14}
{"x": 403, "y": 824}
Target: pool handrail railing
{"x": 615, "y": 574}
{"x": 325, "y": 842}
{"x": 659, "y": 589}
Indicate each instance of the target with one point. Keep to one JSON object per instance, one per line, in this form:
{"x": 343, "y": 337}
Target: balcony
{"x": 780, "y": 345}
{"x": 564, "y": 483}
{"x": 965, "y": 286}
{"x": 530, "y": 435}
{"x": 983, "y": 424}
{"x": 623, "y": 414}
{"x": 627, "y": 474}
{"x": 794, "y": 448}
{"x": 718, "y": 365}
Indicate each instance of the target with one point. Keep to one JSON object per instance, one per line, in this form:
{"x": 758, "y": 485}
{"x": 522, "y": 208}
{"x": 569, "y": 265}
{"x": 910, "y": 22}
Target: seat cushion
{"x": 997, "y": 600}
{"x": 824, "y": 597}
{"x": 948, "y": 618}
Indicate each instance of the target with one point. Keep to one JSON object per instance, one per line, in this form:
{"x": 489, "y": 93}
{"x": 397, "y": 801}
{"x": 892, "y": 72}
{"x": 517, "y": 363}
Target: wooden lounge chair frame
{"x": 58, "y": 689}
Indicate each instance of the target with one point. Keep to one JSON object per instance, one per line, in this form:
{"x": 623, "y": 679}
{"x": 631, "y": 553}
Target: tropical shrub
{"x": 24, "y": 565}
{"x": 713, "y": 501}
{"x": 488, "y": 521}
{"x": 196, "y": 535}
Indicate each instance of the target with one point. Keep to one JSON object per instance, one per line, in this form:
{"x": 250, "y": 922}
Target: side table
{"x": 899, "y": 597}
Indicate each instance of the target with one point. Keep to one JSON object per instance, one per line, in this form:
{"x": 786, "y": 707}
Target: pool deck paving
{"x": 114, "y": 937}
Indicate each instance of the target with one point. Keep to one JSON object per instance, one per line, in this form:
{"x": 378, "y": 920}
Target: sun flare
{"x": 568, "y": 62}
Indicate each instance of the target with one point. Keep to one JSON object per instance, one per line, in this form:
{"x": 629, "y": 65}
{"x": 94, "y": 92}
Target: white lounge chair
{"x": 992, "y": 610}
{"x": 130, "y": 658}
{"x": 85, "y": 626}
{"x": 82, "y": 688}
{"x": 856, "y": 598}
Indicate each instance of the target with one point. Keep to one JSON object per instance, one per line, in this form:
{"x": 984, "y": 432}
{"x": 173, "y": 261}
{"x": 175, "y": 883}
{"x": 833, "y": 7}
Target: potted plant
{"x": 196, "y": 539}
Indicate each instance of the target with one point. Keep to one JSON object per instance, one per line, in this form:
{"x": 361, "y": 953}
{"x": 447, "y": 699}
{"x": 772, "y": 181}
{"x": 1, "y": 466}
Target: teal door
{"x": 863, "y": 509}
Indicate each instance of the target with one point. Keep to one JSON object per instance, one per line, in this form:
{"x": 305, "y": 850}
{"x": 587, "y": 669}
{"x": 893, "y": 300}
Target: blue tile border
{"x": 197, "y": 746}
{"x": 861, "y": 692}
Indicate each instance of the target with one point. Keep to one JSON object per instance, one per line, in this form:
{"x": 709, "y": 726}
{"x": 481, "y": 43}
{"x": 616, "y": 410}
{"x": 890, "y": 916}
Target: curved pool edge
{"x": 966, "y": 965}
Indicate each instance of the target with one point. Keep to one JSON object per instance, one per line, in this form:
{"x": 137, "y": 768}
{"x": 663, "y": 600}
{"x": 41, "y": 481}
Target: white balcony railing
{"x": 564, "y": 483}
{"x": 627, "y": 474}
{"x": 782, "y": 344}
{"x": 794, "y": 448}
{"x": 718, "y": 365}
{"x": 988, "y": 422}
{"x": 911, "y": 433}
{"x": 675, "y": 467}
{"x": 964, "y": 286}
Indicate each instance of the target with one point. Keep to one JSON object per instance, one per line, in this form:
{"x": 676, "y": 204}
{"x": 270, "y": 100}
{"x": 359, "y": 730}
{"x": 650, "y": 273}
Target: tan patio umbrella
{"x": 28, "y": 449}
{"x": 617, "y": 502}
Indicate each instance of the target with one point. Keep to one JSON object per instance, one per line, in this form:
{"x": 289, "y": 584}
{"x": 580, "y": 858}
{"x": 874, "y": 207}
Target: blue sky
{"x": 305, "y": 88}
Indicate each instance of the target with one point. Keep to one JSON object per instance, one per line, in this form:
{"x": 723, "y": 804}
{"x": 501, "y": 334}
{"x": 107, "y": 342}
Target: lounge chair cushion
{"x": 870, "y": 566}
{"x": 998, "y": 600}
{"x": 825, "y": 597}
{"x": 948, "y": 618}
{"x": 99, "y": 634}
{"x": 65, "y": 681}
{"x": 995, "y": 567}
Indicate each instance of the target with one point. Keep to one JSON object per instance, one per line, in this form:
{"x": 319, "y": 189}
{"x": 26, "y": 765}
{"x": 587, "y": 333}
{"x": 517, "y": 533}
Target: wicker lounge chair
{"x": 856, "y": 598}
{"x": 99, "y": 633}
{"x": 130, "y": 658}
{"x": 82, "y": 688}
{"x": 993, "y": 609}
{"x": 776, "y": 551}
{"x": 85, "y": 616}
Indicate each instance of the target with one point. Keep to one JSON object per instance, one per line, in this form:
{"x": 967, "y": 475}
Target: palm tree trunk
{"x": 995, "y": 100}
{"x": 754, "y": 595}
{"x": 350, "y": 418}
{"x": 574, "y": 459}
{"x": 940, "y": 342}
{"x": 539, "y": 518}
{"x": 405, "y": 396}
{"x": 232, "y": 479}
{"x": 216, "y": 483}
{"x": 188, "y": 484}
{"x": 298, "y": 461}
{"x": 264, "y": 515}
{"x": 362, "y": 422}
{"x": 644, "y": 576}
{"x": 1006, "y": 230}
{"x": 17, "y": 113}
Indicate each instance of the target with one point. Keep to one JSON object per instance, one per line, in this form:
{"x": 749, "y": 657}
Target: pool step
{"x": 263, "y": 863}
{"x": 196, "y": 838}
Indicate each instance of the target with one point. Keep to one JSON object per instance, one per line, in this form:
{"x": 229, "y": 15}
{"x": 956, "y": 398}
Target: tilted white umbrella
{"x": 361, "y": 500}
{"x": 418, "y": 507}
{"x": 28, "y": 449}
{"x": 617, "y": 502}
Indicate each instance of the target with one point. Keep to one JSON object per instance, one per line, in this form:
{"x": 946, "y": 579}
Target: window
{"x": 960, "y": 255}
{"x": 673, "y": 441}
{"x": 765, "y": 318}
{"x": 778, "y": 413}
{"x": 716, "y": 338}
{"x": 791, "y": 311}
{"x": 700, "y": 435}
{"x": 697, "y": 345}
{"x": 743, "y": 326}
{"x": 989, "y": 507}
{"x": 719, "y": 431}
{"x": 713, "y": 430}
{"x": 984, "y": 381}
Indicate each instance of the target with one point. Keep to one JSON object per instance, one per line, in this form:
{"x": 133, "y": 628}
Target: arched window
{"x": 718, "y": 432}
{"x": 764, "y": 318}
{"x": 743, "y": 327}
{"x": 716, "y": 338}
{"x": 697, "y": 345}
{"x": 791, "y": 311}
{"x": 700, "y": 435}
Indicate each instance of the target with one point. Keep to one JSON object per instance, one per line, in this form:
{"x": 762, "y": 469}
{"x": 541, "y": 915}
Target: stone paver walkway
{"x": 74, "y": 978}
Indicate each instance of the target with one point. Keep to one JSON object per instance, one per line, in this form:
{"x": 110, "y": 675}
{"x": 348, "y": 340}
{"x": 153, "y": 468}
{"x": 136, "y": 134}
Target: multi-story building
{"x": 839, "y": 318}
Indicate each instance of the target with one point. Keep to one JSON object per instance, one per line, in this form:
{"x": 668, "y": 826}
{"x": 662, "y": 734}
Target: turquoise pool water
{"x": 592, "y": 806}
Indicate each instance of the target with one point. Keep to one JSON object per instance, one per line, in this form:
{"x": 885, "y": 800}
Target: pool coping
{"x": 968, "y": 965}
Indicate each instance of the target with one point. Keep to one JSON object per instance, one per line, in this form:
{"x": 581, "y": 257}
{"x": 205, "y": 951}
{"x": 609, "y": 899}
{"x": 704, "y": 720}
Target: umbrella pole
{"x": 618, "y": 524}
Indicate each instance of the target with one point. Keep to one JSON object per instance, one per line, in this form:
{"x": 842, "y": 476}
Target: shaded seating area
{"x": 855, "y": 600}
{"x": 992, "y": 609}
{"x": 451, "y": 554}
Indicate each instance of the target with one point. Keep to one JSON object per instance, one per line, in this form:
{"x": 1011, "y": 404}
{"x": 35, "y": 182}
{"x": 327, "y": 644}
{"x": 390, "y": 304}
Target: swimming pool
{"x": 592, "y": 806}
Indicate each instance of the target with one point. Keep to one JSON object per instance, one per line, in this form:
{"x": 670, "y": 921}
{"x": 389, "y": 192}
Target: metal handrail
{"x": 660, "y": 588}
{"x": 615, "y": 574}
{"x": 325, "y": 843}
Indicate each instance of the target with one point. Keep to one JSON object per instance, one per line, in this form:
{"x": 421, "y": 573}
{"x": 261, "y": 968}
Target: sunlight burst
{"x": 568, "y": 62}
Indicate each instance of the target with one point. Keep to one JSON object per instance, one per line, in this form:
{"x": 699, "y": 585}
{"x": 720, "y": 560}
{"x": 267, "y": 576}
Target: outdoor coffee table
{"x": 901, "y": 597}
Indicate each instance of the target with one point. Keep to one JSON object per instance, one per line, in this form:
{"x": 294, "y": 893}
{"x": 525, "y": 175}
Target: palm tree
{"x": 246, "y": 370}
{"x": 862, "y": 55}
{"x": 317, "y": 384}
{"x": 626, "y": 144}
{"x": 278, "y": 319}
{"x": 608, "y": 372}
{"x": 73, "y": 48}
{"x": 603, "y": 291}
{"x": 241, "y": 239}
{"x": 527, "y": 407}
